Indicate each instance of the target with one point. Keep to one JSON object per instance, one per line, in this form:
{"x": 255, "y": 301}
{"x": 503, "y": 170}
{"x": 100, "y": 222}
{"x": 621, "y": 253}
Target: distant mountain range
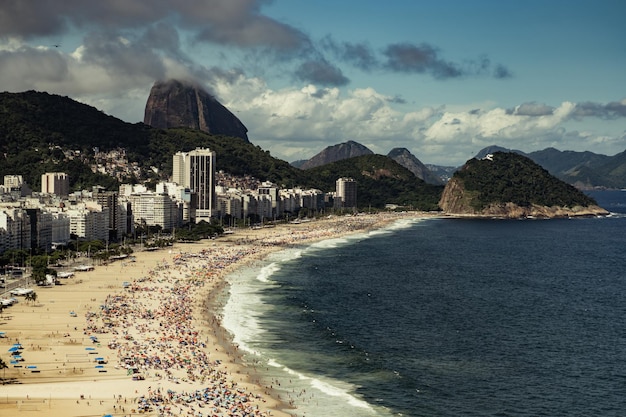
{"x": 584, "y": 170}
{"x": 352, "y": 149}
{"x": 40, "y": 132}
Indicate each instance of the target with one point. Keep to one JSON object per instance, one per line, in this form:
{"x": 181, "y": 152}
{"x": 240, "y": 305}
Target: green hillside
{"x": 36, "y": 130}
{"x": 514, "y": 178}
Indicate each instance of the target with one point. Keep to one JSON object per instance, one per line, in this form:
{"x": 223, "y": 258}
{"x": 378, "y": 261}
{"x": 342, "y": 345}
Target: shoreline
{"x": 177, "y": 288}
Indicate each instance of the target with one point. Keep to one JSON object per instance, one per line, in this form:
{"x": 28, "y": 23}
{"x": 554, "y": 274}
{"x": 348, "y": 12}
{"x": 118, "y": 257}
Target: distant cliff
{"x": 336, "y": 153}
{"x": 512, "y": 186}
{"x": 175, "y": 103}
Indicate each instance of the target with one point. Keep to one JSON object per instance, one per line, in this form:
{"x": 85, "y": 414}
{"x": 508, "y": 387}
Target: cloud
{"x": 321, "y": 72}
{"x": 531, "y": 109}
{"x": 359, "y": 55}
{"x": 404, "y": 57}
{"x": 426, "y": 59}
{"x": 609, "y": 111}
{"x": 233, "y": 22}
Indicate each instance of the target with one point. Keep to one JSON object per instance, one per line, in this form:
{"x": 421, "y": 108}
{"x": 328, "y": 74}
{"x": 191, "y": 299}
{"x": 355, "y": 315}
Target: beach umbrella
{"x": 14, "y": 349}
{"x": 31, "y": 367}
{"x": 14, "y": 362}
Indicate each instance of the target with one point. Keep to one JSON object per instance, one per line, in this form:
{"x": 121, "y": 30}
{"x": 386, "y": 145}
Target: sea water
{"x": 444, "y": 317}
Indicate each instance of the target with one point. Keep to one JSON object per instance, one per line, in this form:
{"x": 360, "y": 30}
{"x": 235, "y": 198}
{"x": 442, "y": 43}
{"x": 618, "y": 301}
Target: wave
{"x": 336, "y": 389}
{"x": 268, "y": 271}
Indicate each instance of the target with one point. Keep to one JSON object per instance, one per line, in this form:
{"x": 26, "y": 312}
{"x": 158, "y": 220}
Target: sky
{"x": 443, "y": 78}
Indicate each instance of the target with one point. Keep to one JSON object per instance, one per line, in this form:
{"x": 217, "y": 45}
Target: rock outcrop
{"x": 175, "y": 103}
{"x": 405, "y": 158}
{"x": 335, "y": 153}
{"x": 457, "y": 201}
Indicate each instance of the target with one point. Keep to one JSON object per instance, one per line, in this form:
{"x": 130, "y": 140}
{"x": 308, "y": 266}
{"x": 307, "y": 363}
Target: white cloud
{"x": 298, "y": 122}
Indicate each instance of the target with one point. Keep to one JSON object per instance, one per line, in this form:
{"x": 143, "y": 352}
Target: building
{"x": 109, "y": 200}
{"x": 154, "y": 209}
{"x": 57, "y": 183}
{"x": 196, "y": 170}
{"x": 89, "y": 221}
{"x": 270, "y": 191}
{"x": 345, "y": 193}
{"x": 15, "y": 230}
{"x": 15, "y": 185}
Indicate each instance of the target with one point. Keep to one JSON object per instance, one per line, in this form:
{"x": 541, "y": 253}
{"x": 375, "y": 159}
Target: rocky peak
{"x": 175, "y": 103}
{"x": 335, "y": 153}
{"x": 405, "y": 158}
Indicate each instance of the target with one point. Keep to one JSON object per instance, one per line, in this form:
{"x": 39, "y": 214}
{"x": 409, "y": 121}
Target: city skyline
{"x": 442, "y": 79}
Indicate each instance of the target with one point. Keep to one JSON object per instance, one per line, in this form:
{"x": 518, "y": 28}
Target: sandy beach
{"x": 140, "y": 337}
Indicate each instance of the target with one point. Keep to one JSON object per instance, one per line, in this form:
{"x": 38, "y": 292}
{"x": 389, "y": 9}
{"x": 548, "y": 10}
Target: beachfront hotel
{"x": 196, "y": 170}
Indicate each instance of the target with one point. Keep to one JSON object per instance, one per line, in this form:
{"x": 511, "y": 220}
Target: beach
{"x": 141, "y": 335}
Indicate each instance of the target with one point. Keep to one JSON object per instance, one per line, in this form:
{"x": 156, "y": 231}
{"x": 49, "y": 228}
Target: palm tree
{"x": 31, "y": 296}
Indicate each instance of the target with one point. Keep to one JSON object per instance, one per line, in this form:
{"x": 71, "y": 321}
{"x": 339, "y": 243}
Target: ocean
{"x": 444, "y": 317}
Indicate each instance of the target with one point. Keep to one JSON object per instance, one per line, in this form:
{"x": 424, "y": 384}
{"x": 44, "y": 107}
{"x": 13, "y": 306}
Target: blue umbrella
{"x": 14, "y": 349}
{"x": 90, "y": 348}
{"x": 31, "y": 367}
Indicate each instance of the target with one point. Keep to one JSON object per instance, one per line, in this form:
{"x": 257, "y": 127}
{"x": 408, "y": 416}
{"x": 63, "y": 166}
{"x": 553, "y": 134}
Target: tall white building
{"x": 345, "y": 189}
{"x": 196, "y": 170}
{"x": 57, "y": 183}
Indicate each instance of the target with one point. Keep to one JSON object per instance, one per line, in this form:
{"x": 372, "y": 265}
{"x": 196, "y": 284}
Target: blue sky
{"x": 441, "y": 78}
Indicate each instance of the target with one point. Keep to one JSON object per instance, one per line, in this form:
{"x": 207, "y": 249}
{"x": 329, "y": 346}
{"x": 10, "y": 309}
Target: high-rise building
{"x": 196, "y": 170}
{"x": 345, "y": 189}
{"x": 57, "y": 183}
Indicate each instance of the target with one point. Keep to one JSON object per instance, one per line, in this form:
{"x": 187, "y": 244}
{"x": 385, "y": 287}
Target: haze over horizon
{"x": 442, "y": 79}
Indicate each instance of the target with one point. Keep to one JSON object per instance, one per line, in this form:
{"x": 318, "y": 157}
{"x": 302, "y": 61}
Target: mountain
{"x": 380, "y": 180}
{"x": 493, "y": 149}
{"x": 175, "y": 103}
{"x": 444, "y": 173}
{"x": 338, "y": 152}
{"x": 585, "y": 170}
{"x": 506, "y": 184}
{"x": 410, "y": 162}
{"x": 41, "y": 132}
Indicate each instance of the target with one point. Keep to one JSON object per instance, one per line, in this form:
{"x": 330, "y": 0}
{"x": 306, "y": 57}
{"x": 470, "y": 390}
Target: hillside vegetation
{"x": 37, "y": 130}
{"x": 513, "y": 178}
